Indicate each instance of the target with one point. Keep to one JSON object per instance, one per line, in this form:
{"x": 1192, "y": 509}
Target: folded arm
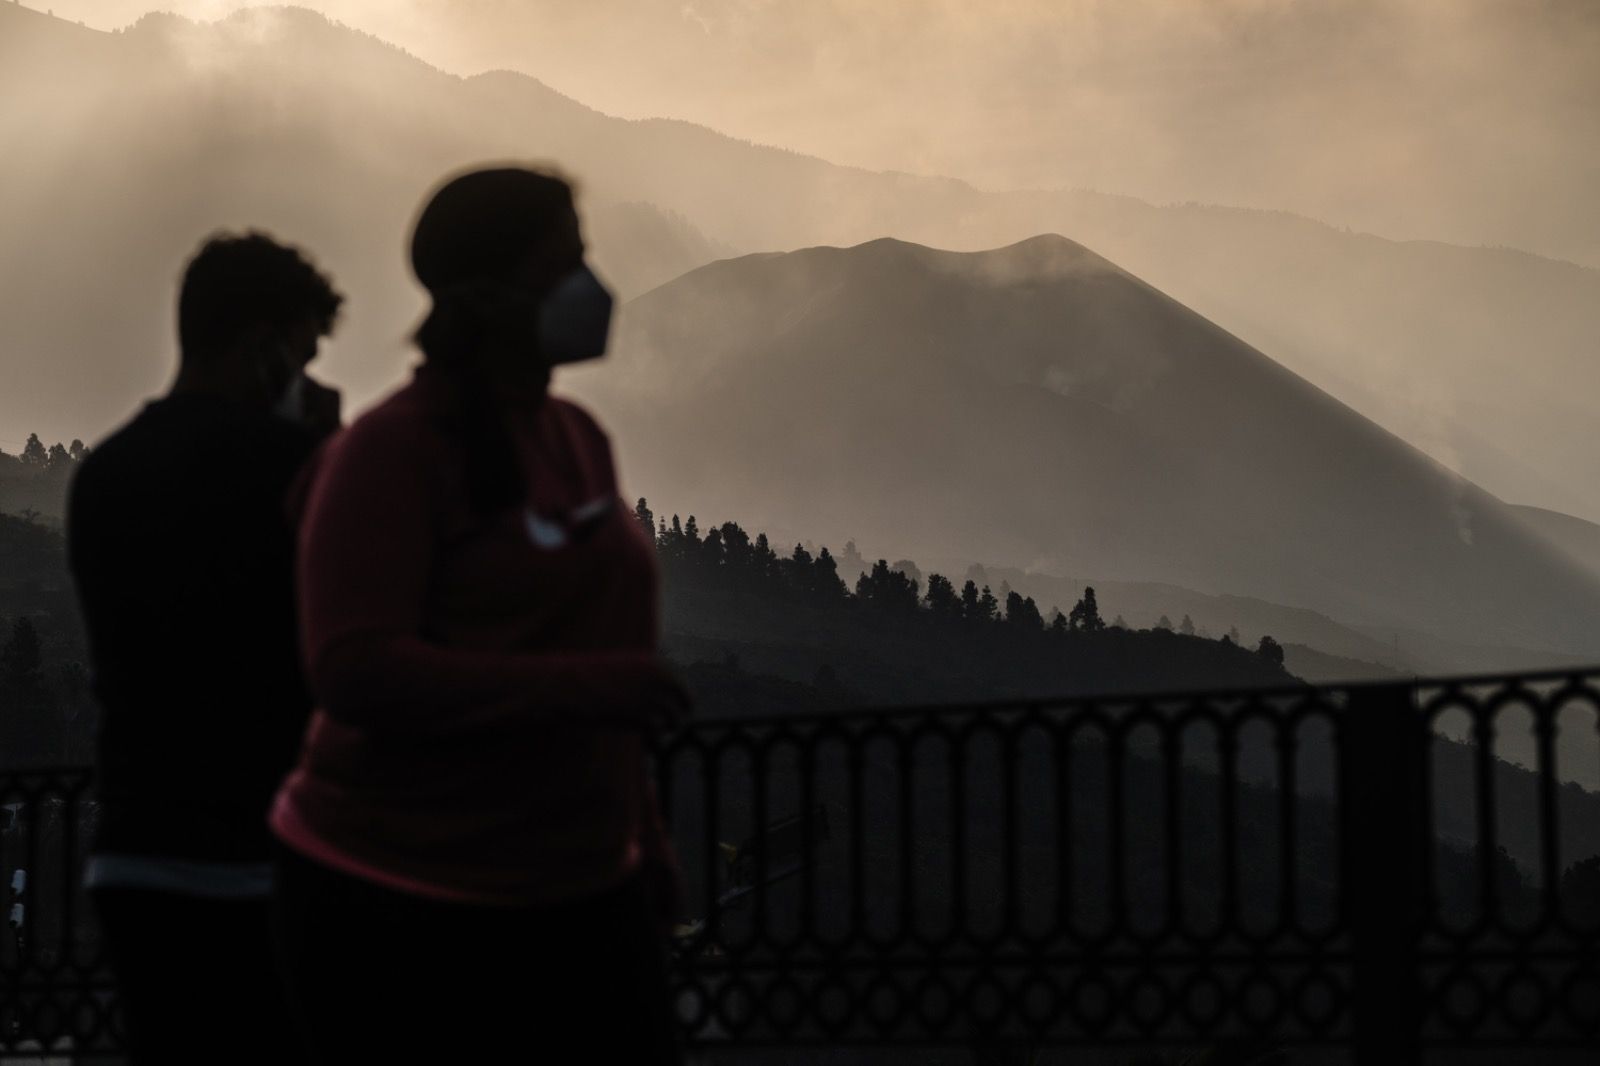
{"x": 368, "y": 540}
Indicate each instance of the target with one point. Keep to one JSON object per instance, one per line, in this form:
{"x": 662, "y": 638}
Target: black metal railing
{"x": 1380, "y": 867}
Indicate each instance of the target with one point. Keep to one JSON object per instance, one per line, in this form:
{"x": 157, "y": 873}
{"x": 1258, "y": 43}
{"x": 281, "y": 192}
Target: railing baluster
{"x": 958, "y": 836}
{"x": 1488, "y": 883}
{"x": 711, "y": 779}
{"x": 1172, "y": 844}
{"x": 1549, "y": 816}
{"x": 808, "y": 880}
{"x": 34, "y": 805}
{"x": 858, "y": 894}
{"x": 1288, "y": 808}
{"x": 1228, "y": 909}
{"x": 69, "y": 907}
{"x": 1064, "y": 889}
{"x": 1011, "y": 912}
{"x": 883, "y": 986}
{"x": 1116, "y": 829}
{"x": 903, "y": 755}
{"x": 758, "y": 829}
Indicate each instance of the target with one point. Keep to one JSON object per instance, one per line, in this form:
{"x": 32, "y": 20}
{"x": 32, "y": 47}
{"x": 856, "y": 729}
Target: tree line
{"x": 35, "y": 480}
{"x": 727, "y": 556}
{"x": 35, "y": 458}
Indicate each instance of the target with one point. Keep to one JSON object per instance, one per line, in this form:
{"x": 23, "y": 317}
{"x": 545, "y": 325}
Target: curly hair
{"x": 238, "y": 283}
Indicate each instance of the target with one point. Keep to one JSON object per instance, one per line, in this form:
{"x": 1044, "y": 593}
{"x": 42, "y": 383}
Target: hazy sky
{"x": 1476, "y": 121}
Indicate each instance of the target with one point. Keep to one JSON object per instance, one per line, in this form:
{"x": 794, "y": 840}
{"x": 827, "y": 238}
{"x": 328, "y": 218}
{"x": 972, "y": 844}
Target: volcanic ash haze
{"x": 133, "y": 145}
{"x": 1038, "y": 405}
{"x": 1088, "y": 425}
{"x": 280, "y": 118}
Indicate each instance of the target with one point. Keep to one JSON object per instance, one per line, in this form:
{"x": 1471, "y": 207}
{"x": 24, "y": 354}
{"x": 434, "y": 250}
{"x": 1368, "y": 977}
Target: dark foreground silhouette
{"x": 181, "y": 553}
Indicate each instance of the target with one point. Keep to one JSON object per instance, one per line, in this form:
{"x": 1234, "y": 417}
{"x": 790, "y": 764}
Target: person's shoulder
{"x": 110, "y": 457}
{"x": 401, "y": 420}
{"x": 578, "y": 416}
{"x": 396, "y": 442}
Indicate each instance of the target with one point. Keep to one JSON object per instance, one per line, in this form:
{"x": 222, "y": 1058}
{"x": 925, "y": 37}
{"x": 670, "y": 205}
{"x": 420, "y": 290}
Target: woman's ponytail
{"x": 452, "y": 339}
{"x": 469, "y": 241}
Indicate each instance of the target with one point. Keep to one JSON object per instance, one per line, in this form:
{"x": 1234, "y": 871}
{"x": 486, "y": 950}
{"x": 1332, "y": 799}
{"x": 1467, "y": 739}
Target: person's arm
{"x": 367, "y": 542}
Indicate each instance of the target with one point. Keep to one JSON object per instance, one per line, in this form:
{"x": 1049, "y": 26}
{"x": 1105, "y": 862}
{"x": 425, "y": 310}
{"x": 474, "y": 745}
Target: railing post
{"x": 1383, "y": 830}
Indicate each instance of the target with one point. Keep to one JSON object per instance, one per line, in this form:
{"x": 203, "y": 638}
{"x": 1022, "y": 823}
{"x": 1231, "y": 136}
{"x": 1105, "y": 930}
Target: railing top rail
{"x": 1150, "y": 697}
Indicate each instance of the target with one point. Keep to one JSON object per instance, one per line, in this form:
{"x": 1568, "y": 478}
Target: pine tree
{"x": 969, "y": 601}
{"x": 942, "y": 598}
{"x": 34, "y": 452}
{"x": 764, "y": 561}
{"x": 736, "y": 550}
{"x": 710, "y": 552}
{"x": 671, "y": 543}
{"x": 825, "y": 580}
{"x": 797, "y": 571}
{"x": 887, "y": 588}
{"x": 1165, "y": 624}
{"x": 988, "y": 606}
{"x": 1023, "y": 613}
{"x": 1085, "y": 615}
{"x": 1186, "y": 627}
{"x": 1013, "y": 605}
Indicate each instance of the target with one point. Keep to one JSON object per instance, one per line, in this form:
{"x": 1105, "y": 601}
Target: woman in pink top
{"x": 473, "y": 862}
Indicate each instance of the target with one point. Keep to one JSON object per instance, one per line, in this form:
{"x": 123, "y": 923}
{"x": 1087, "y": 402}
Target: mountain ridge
{"x": 1412, "y": 334}
{"x": 1117, "y": 374}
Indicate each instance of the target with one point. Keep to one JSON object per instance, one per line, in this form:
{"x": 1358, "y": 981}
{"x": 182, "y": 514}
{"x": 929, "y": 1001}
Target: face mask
{"x": 574, "y": 319}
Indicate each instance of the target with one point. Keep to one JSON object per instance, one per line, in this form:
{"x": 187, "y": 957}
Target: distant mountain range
{"x": 128, "y": 147}
{"x": 1044, "y": 405}
{"x": 1035, "y": 407}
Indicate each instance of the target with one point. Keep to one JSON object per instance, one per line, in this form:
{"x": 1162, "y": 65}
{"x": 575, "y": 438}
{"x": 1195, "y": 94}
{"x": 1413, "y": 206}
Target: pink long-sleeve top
{"x": 470, "y": 671}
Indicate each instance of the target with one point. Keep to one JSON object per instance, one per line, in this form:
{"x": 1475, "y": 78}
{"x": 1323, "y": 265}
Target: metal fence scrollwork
{"x": 1381, "y": 868}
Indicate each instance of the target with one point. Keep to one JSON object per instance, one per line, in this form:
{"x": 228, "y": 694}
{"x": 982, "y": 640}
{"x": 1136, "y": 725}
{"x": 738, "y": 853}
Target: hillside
{"x": 1576, "y": 538}
{"x": 1040, "y": 406}
{"x": 282, "y": 119}
{"x": 1357, "y": 651}
{"x": 763, "y": 632}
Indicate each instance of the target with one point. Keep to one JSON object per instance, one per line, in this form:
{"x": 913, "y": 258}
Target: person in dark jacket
{"x": 474, "y": 864}
{"x": 181, "y": 549}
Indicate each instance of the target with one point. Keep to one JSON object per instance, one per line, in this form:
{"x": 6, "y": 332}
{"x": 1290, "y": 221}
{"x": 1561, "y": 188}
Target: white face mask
{"x": 575, "y": 319}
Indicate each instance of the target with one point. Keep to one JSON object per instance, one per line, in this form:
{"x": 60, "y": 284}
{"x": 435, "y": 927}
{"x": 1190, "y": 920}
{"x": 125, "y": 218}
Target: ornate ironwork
{"x": 1339, "y": 866}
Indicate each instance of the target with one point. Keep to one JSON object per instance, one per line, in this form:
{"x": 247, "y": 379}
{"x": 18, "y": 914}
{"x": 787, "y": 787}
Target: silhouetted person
{"x": 181, "y": 547}
{"x": 475, "y": 866}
